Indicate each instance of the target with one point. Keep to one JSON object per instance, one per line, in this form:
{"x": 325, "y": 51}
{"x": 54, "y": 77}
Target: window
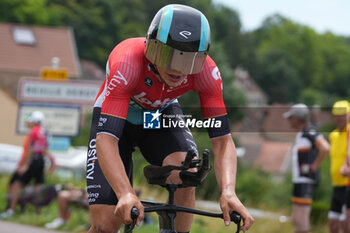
{"x": 23, "y": 36}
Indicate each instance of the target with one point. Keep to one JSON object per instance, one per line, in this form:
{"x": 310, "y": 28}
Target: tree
{"x": 32, "y": 12}
{"x": 278, "y": 76}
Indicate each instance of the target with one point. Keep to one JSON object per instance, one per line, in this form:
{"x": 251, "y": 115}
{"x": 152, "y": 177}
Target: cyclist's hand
{"x": 22, "y": 169}
{"x": 345, "y": 170}
{"x": 230, "y": 202}
{"x": 123, "y": 209}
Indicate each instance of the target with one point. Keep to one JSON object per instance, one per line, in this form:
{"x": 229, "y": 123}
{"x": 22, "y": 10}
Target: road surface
{"x": 10, "y": 227}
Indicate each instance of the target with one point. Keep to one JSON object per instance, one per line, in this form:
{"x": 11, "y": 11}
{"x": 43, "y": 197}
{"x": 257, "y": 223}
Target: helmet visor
{"x": 167, "y": 57}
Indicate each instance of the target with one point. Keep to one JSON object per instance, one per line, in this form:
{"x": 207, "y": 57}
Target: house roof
{"x": 273, "y": 156}
{"x": 25, "y": 48}
{"x": 90, "y": 70}
{"x": 254, "y": 94}
{"x": 274, "y": 120}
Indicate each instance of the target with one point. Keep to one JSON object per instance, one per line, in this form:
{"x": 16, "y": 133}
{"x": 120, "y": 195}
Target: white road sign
{"x": 60, "y": 120}
{"x": 68, "y": 92}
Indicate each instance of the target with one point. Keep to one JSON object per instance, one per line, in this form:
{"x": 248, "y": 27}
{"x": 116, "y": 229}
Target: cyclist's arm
{"x": 25, "y": 160}
{"x": 113, "y": 169}
{"x": 225, "y": 164}
{"x": 112, "y": 165}
{"x": 120, "y": 82}
{"x": 323, "y": 149}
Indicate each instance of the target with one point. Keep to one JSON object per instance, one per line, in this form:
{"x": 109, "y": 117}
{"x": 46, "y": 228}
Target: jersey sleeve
{"x": 121, "y": 78}
{"x": 208, "y": 84}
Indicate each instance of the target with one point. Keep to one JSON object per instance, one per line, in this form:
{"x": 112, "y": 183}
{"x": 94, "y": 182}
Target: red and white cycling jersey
{"x": 38, "y": 139}
{"x": 131, "y": 84}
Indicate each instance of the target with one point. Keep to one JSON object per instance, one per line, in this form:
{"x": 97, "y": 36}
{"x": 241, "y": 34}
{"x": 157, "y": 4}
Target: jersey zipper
{"x": 161, "y": 93}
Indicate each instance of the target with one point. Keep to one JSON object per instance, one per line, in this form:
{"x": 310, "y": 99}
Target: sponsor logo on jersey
{"x": 148, "y": 82}
{"x": 156, "y": 104}
{"x": 216, "y": 73}
{"x": 151, "y": 119}
{"x": 92, "y": 197}
{"x": 92, "y": 158}
{"x": 102, "y": 121}
{"x": 115, "y": 81}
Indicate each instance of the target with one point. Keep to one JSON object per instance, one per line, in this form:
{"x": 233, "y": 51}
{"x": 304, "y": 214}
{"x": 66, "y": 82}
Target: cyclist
{"x": 150, "y": 73}
{"x": 31, "y": 165}
{"x": 309, "y": 150}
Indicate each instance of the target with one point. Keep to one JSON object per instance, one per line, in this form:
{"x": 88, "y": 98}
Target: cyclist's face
{"x": 341, "y": 121}
{"x": 29, "y": 124}
{"x": 172, "y": 78}
{"x": 295, "y": 122}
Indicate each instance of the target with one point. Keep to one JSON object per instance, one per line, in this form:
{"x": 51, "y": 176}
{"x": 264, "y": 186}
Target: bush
{"x": 319, "y": 212}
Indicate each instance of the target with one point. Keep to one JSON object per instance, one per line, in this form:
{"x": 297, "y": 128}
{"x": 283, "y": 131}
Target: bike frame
{"x": 167, "y": 211}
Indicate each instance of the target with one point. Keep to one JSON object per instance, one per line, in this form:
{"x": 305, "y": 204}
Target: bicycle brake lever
{"x": 236, "y": 218}
{"x": 205, "y": 163}
{"x": 189, "y": 156}
{"x": 134, "y": 215}
{"x": 195, "y": 163}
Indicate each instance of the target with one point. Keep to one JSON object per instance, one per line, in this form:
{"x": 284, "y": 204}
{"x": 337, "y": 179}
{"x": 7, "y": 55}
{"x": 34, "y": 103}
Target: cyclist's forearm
{"x": 225, "y": 162}
{"x": 112, "y": 165}
{"x": 323, "y": 149}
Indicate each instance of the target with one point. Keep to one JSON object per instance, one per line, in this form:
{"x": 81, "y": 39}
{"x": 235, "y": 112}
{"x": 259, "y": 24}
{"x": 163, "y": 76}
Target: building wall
{"x": 8, "y": 119}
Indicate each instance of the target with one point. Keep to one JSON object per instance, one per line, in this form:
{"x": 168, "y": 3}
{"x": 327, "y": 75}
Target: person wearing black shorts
{"x": 144, "y": 78}
{"x": 154, "y": 144}
{"x": 309, "y": 150}
{"x": 339, "y": 220}
{"x": 31, "y": 164}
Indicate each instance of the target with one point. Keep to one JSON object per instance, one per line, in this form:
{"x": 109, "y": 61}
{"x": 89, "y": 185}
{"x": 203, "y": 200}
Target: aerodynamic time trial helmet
{"x": 179, "y": 39}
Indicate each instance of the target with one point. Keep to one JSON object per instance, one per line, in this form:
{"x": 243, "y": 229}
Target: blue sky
{"x": 321, "y": 15}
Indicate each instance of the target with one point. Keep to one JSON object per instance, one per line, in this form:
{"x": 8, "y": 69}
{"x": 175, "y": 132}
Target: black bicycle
{"x": 167, "y": 211}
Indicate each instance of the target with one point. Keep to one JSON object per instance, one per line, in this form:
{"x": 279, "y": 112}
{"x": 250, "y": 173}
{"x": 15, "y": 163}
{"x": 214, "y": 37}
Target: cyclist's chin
{"x": 174, "y": 81}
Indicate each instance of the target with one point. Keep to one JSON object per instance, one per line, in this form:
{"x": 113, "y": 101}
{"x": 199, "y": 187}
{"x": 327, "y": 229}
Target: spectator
{"x": 338, "y": 155}
{"x": 31, "y": 165}
{"x": 309, "y": 150}
{"x": 72, "y": 195}
{"x": 64, "y": 199}
{"x": 15, "y": 176}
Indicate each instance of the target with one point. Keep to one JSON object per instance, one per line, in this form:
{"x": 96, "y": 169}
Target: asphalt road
{"x": 9, "y": 227}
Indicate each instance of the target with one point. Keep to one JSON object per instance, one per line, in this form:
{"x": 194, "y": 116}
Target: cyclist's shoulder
{"x": 209, "y": 63}
{"x": 209, "y": 77}
{"x": 310, "y": 129}
{"x": 311, "y": 132}
{"x": 127, "y": 58}
{"x": 129, "y": 50}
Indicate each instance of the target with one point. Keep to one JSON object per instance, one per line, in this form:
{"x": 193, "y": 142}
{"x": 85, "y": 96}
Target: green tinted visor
{"x": 167, "y": 57}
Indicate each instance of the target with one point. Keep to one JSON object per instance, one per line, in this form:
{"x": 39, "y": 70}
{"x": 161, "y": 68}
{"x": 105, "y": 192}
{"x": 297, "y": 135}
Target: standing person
{"x": 15, "y": 176}
{"x": 31, "y": 165}
{"x": 309, "y": 150}
{"x": 144, "y": 74}
{"x": 339, "y": 148}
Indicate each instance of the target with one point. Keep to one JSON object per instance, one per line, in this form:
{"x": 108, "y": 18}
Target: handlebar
{"x": 234, "y": 216}
{"x": 158, "y": 174}
{"x": 135, "y": 213}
